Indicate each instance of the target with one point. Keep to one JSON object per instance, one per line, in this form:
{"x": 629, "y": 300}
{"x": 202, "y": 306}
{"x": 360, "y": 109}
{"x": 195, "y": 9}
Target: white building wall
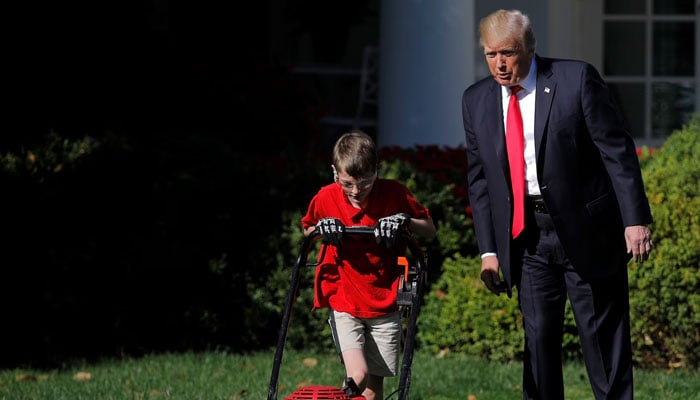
{"x": 426, "y": 62}
{"x": 429, "y": 53}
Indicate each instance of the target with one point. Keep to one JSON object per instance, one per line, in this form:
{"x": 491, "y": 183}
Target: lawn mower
{"x": 410, "y": 295}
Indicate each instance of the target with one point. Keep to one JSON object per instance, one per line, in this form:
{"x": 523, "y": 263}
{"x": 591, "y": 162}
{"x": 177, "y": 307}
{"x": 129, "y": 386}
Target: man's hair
{"x": 355, "y": 154}
{"x": 507, "y": 24}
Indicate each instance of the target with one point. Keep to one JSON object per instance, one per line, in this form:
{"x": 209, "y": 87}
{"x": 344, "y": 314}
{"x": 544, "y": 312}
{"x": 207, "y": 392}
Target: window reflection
{"x": 674, "y": 6}
{"x": 624, "y": 48}
{"x": 674, "y": 49}
{"x": 672, "y": 105}
{"x": 624, "y": 7}
{"x": 630, "y": 98}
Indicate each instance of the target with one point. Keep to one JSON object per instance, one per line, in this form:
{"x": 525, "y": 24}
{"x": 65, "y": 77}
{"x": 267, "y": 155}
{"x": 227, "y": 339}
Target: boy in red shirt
{"x": 358, "y": 277}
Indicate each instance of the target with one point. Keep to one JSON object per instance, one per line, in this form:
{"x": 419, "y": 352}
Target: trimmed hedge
{"x": 664, "y": 295}
{"x": 461, "y": 315}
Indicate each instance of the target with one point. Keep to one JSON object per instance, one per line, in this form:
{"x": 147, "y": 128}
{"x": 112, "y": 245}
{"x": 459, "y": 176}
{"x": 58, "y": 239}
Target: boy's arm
{"x": 423, "y": 227}
{"x": 309, "y": 229}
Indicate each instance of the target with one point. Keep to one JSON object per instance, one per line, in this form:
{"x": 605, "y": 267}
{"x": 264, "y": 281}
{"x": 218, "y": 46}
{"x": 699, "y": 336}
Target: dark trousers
{"x": 601, "y": 311}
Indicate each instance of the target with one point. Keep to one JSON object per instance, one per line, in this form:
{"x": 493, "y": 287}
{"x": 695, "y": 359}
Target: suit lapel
{"x": 546, "y": 87}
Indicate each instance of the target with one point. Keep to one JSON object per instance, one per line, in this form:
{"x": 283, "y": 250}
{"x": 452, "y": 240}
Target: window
{"x": 650, "y": 61}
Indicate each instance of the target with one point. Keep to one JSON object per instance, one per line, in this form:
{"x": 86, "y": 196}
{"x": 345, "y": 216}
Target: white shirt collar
{"x": 530, "y": 81}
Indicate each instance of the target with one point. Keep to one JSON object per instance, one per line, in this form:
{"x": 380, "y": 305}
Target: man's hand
{"x": 638, "y": 239}
{"x": 490, "y": 276}
{"x": 387, "y": 228}
{"x": 332, "y": 230}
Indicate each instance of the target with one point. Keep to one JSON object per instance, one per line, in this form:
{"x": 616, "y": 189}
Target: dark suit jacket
{"x": 587, "y": 167}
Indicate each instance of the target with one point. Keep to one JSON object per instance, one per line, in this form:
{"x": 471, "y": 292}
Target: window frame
{"x": 648, "y": 79}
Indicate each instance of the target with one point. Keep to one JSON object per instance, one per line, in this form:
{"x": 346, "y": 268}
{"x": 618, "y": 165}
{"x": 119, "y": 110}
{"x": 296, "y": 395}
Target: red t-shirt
{"x": 360, "y": 277}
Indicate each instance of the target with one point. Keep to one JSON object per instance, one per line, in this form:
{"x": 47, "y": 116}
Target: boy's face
{"x": 357, "y": 189}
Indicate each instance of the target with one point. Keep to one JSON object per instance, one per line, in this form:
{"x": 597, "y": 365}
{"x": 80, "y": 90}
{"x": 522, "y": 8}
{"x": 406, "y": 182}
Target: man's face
{"x": 508, "y": 63}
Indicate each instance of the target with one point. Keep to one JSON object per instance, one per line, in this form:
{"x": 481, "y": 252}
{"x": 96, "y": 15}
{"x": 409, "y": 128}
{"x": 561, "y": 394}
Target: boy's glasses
{"x": 361, "y": 184}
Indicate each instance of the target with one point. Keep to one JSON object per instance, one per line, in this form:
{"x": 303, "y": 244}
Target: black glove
{"x": 388, "y": 228}
{"x": 332, "y": 230}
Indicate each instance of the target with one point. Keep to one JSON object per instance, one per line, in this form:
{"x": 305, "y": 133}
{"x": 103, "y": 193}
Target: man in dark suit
{"x": 584, "y": 209}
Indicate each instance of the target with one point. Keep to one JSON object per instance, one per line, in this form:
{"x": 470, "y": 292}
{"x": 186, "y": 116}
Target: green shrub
{"x": 664, "y": 296}
{"x": 454, "y": 228}
{"x": 307, "y": 330}
{"x": 52, "y": 155}
{"x": 461, "y": 315}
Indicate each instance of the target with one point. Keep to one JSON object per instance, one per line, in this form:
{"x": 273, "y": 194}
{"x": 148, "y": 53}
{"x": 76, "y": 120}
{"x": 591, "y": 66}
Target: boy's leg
{"x": 355, "y": 367}
{"x": 349, "y": 335}
{"x": 370, "y": 349}
{"x": 334, "y": 333}
{"x": 383, "y": 344}
{"x": 375, "y": 388}
{"x": 382, "y": 352}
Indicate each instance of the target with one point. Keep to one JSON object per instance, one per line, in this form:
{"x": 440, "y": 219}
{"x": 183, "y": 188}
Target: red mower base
{"x": 321, "y": 393}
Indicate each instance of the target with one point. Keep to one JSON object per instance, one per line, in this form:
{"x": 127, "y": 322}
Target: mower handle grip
{"x": 357, "y": 230}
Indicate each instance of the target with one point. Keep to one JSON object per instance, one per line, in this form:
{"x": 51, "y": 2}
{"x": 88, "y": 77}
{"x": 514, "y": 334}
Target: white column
{"x": 425, "y": 49}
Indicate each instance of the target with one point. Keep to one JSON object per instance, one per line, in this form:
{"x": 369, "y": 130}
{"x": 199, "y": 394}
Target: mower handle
{"x": 358, "y": 230}
{"x": 353, "y": 230}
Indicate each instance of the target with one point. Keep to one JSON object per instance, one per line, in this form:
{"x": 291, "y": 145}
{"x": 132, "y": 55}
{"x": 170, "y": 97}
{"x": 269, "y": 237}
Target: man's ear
{"x": 335, "y": 173}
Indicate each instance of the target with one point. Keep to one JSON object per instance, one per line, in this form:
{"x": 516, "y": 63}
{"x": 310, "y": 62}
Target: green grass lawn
{"x": 221, "y": 376}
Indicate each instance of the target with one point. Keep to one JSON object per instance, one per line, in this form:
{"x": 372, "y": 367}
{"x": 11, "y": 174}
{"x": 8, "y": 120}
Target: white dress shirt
{"x": 527, "y": 108}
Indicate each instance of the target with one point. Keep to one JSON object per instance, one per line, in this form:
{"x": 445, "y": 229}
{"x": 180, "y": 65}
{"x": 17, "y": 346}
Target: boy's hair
{"x": 355, "y": 154}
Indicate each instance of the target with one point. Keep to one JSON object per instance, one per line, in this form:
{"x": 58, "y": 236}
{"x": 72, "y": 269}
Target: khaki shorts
{"x": 379, "y": 337}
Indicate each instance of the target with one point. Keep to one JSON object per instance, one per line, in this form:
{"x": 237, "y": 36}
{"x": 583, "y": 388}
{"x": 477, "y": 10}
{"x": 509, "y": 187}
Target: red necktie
{"x": 516, "y": 159}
